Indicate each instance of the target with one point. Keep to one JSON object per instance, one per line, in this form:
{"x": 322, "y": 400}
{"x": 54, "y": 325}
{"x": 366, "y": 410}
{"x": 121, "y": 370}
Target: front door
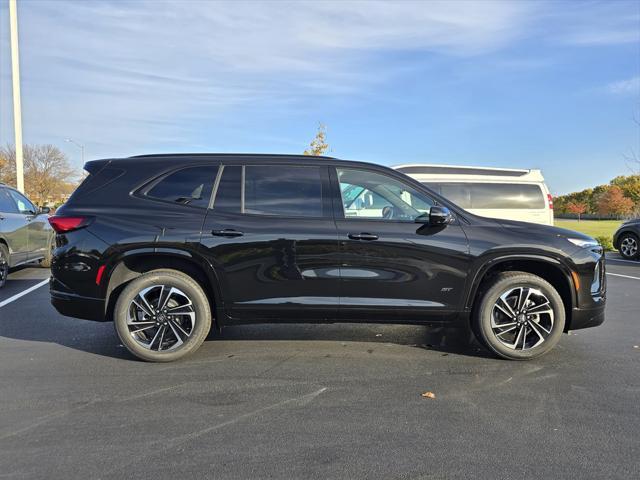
{"x": 272, "y": 239}
{"x": 15, "y": 217}
{"x": 393, "y": 268}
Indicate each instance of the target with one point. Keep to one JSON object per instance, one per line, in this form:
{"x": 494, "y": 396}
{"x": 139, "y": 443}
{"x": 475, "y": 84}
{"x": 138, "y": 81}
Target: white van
{"x": 509, "y": 193}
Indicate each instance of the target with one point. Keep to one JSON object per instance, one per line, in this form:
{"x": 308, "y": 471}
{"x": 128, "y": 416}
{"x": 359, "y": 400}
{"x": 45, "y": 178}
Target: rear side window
{"x": 492, "y": 195}
{"x": 188, "y": 186}
{"x": 283, "y": 190}
{"x": 6, "y": 204}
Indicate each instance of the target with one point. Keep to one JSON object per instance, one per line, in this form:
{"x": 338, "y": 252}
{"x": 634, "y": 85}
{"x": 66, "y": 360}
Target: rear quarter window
{"x": 190, "y": 186}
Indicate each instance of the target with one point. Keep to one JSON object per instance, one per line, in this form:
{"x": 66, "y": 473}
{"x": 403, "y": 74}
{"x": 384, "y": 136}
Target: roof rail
{"x": 419, "y": 168}
{"x": 268, "y": 155}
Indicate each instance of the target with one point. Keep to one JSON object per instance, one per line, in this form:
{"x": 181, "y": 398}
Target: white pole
{"x": 17, "y": 109}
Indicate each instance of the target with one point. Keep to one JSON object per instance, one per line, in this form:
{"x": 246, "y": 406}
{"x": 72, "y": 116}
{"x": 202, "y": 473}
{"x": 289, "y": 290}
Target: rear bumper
{"x": 77, "y": 306}
{"x": 586, "y": 317}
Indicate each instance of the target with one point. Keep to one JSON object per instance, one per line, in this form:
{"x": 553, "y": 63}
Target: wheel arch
{"x": 137, "y": 262}
{"x": 620, "y": 233}
{"x": 550, "y": 269}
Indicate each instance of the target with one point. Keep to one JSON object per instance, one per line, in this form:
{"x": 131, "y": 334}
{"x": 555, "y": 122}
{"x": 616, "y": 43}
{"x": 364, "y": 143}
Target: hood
{"x": 546, "y": 229}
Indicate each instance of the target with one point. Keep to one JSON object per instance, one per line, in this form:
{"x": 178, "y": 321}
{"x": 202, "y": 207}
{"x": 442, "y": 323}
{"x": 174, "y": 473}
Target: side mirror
{"x": 440, "y": 215}
{"x": 44, "y": 210}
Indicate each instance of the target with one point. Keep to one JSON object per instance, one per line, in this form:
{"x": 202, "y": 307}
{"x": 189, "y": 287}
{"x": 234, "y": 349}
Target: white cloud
{"x": 123, "y": 74}
{"x": 630, "y": 86}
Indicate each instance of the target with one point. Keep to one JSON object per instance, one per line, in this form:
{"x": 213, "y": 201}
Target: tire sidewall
{"x": 483, "y": 316}
{"x": 170, "y": 279}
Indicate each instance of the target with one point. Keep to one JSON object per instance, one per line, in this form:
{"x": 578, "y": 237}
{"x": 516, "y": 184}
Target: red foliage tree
{"x": 612, "y": 201}
{"x": 577, "y": 207}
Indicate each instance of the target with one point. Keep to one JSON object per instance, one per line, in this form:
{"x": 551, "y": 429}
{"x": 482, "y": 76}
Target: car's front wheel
{"x": 162, "y": 316}
{"x": 520, "y": 316}
{"x": 629, "y": 246}
{"x": 4, "y": 264}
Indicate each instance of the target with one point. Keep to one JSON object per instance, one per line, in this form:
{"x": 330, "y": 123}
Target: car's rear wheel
{"x": 629, "y": 246}
{"x": 4, "y": 264}
{"x": 520, "y": 316}
{"x": 48, "y": 254}
{"x": 162, "y": 316}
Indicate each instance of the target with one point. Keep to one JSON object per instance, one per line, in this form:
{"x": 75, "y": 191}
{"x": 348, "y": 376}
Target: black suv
{"x": 164, "y": 245}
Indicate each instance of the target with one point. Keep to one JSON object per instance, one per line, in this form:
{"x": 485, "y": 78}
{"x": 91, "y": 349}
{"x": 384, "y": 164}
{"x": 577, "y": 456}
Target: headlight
{"x": 583, "y": 243}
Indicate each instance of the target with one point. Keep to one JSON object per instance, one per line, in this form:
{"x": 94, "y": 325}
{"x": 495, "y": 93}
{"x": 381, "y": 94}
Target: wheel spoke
{"x": 523, "y": 298}
{"x": 149, "y": 309}
{"x": 506, "y": 331}
{"x": 535, "y": 329}
{"x": 173, "y": 323}
{"x": 142, "y": 329}
{"x": 179, "y": 340}
{"x": 536, "y": 309}
{"x": 504, "y": 306}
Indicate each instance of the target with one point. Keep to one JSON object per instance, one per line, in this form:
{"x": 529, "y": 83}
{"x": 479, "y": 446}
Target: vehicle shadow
{"x": 37, "y": 321}
{"x": 454, "y": 340}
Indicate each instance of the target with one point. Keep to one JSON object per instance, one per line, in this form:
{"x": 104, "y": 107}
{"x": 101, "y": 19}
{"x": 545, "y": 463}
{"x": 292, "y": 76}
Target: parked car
{"x": 25, "y": 234}
{"x": 627, "y": 239}
{"x": 509, "y": 193}
{"x": 167, "y": 245}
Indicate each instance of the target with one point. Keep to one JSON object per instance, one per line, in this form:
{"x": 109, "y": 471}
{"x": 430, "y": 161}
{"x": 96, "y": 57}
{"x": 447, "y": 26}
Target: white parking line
{"x": 635, "y": 262}
{"x": 612, "y": 274}
{"x": 23, "y": 293}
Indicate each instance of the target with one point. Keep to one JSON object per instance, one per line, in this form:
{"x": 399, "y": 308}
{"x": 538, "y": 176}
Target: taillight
{"x": 63, "y": 224}
{"x": 550, "y": 198}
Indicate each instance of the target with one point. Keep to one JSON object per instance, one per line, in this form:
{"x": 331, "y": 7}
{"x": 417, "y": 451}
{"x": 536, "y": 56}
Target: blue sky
{"x": 551, "y": 85}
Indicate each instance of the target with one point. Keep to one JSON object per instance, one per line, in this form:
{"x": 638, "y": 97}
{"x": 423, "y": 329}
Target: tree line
{"x": 619, "y": 198}
{"x": 48, "y": 175}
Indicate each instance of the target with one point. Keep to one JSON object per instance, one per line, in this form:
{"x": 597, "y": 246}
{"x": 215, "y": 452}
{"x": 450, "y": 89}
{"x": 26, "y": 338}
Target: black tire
{"x": 147, "y": 284}
{"x": 48, "y": 255}
{"x": 629, "y": 246}
{"x": 4, "y": 264}
{"x": 529, "y": 327}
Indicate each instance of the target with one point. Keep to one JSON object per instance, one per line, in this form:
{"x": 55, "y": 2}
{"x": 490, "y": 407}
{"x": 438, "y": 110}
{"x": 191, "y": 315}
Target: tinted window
{"x": 23, "y": 204}
{"x": 368, "y": 194}
{"x": 6, "y": 204}
{"x": 283, "y": 190}
{"x": 189, "y": 186}
{"x": 229, "y": 191}
{"x": 504, "y": 195}
{"x": 491, "y": 195}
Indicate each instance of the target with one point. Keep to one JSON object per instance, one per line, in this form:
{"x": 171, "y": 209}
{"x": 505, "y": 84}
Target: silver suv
{"x": 25, "y": 233}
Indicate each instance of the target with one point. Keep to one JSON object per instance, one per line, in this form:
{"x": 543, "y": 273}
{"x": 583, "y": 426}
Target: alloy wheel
{"x": 161, "y": 318}
{"x": 629, "y": 246}
{"x": 522, "y": 318}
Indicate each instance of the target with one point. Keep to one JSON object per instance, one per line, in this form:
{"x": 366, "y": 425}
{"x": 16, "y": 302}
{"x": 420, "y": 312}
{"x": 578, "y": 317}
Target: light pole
{"x": 15, "y": 77}
{"x": 81, "y": 147}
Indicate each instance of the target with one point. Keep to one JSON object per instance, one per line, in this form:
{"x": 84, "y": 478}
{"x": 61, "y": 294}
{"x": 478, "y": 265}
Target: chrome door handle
{"x": 227, "y": 232}
{"x": 363, "y": 236}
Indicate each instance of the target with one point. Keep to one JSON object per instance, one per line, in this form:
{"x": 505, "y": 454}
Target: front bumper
{"x": 586, "y": 317}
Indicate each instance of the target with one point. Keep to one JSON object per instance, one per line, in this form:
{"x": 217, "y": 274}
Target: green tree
{"x": 630, "y": 185}
{"x": 318, "y": 145}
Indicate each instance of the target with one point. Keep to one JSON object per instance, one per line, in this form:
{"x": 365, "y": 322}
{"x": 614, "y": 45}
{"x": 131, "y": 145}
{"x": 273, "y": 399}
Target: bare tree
{"x": 47, "y": 170}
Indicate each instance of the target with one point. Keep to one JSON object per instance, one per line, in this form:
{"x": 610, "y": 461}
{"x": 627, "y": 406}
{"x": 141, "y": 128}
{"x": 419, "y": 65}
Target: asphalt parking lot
{"x": 316, "y": 401}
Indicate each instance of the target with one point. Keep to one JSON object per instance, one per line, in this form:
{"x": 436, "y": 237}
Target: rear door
{"x": 15, "y": 216}
{"x": 272, "y": 239}
{"x": 391, "y": 266}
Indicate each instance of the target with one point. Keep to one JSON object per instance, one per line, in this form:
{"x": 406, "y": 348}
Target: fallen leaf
{"x": 428, "y": 395}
